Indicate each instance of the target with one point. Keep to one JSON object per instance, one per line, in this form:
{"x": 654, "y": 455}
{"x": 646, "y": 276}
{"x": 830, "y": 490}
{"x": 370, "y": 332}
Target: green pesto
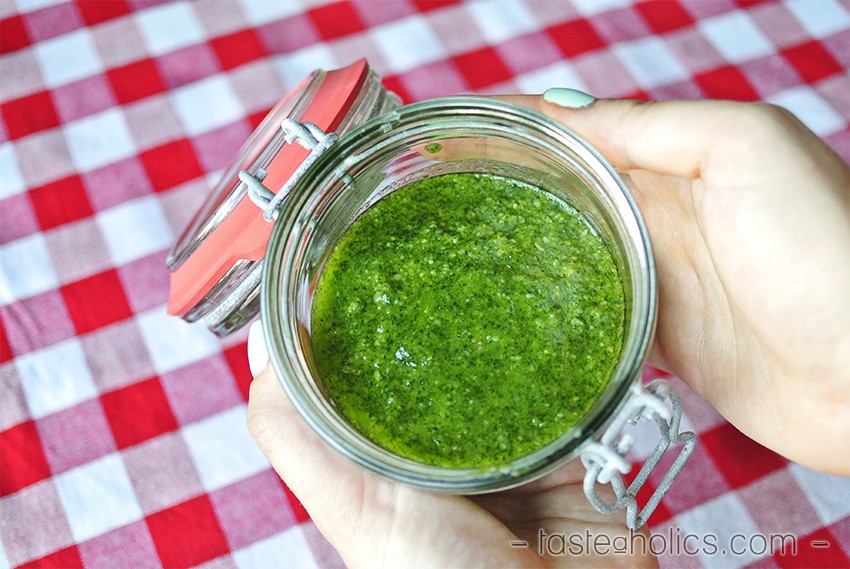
{"x": 466, "y": 320}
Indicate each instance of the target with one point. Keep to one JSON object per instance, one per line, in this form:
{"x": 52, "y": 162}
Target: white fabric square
{"x": 134, "y": 229}
{"x": 259, "y": 12}
{"x": 810, "y": 108}
{"x": 560, "y": 74}
{"x": 172, "y": 342}
{"x": 822, "y": 18}
{"x": 650, "y": 62}
{"x": 829, "y": 495}
{"x": 735, "y": 37}
{"x": 97, "y": 497}
{"x": 408, "y": 43}
{"x": 288, "y": 548}
{"x": 55, "y": 378}
{"x": 223, "y": 450}
{"x": 501, "y": 20}
{"x": 646, "y": 437}
{"x": 294, "y": 67}
{"x": 206, "y": 105}
{"x": 68, "y": 57}
{"x": 169, "y": 27}
{"x": 593, "y": 7}
{"x": 4, "y": 559}
{"x": 725, "y": 519}
{"x": 25, "y": 269}
{"x": 11, "y": 180}
{"x": 99, "y": 139}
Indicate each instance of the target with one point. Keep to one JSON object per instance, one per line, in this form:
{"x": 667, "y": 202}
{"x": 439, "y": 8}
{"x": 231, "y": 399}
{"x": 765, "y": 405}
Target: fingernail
{"x": 258, "y": 354}
{"x": 569, "y": 98}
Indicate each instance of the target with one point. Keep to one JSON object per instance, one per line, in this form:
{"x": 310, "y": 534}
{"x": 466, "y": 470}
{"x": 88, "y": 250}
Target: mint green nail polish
{"x": 569, "y": 98}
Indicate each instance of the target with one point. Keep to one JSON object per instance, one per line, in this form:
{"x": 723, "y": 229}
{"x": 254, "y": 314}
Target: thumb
{"x": 675, "y": 138}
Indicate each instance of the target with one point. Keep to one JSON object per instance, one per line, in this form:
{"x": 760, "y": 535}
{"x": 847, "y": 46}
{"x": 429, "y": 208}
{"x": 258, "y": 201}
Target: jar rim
{"x": 279, "y": 269}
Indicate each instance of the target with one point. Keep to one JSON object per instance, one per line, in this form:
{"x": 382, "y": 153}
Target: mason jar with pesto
{"x": 459, "y": 295}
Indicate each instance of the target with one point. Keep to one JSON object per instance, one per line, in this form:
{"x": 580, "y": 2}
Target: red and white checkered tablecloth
{"x": 122, "y": 430}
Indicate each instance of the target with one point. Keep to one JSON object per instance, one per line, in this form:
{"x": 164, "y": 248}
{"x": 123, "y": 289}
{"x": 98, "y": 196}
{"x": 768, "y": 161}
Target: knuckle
{"x": 773, "y": 114}
{"x": 767, "y": 119}
{"x": 261, "y": 427}
{"x": 258, "y": 416}
{"x": 256, "y": 421}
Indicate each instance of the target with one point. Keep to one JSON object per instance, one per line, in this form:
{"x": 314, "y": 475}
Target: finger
{"x": 295, "y": 451}
{"x": 332, "y": 489}
{"x": 373, "y": 522}
{"x": 675, "y": 138}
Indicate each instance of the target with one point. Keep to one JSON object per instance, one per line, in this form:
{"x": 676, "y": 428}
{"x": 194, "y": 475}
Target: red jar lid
{"x": 216, "y": 263}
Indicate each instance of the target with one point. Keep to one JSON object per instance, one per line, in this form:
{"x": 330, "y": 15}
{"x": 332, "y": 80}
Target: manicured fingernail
{"x": 258, "y": 355}
{"x": 569, "y": 98}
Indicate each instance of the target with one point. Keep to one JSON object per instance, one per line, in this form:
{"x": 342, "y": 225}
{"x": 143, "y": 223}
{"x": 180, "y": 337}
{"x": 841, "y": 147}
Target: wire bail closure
{"x": 307, "y": 135}
{"x": 606, "y": 462}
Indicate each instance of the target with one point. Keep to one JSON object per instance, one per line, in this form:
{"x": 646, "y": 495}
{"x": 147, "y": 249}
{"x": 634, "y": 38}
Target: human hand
{"x": 375, "y": 523}
{"x": 749, "y": 216}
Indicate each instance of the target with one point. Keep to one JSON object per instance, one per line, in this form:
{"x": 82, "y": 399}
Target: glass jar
{"x": 343, "y": 176}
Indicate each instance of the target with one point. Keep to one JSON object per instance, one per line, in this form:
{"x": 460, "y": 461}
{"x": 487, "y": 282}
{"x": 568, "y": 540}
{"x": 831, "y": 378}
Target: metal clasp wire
{"x": 307, "y": 135}
{"x": 606, "y": 462}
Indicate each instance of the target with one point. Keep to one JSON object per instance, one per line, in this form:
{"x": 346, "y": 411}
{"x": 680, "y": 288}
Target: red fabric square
{"x": 96, "y": 12}
{"x": 138, "y": 412}
{"x": 171, "y": 164}
{"x": 256, "y": 118}
{"x": 726, "y": 83}
{"x": 62, "y": 201}
{"x": 29, "y": 114}
{"x": 664, "y": 15}
{"x": 812, "y": 61}
{"x": 739, "y": 459}
{"x": 237, "y": 359}
{"x": 5, "y": 346}
{"x": 818, "y": 549}
{"x": 575, "y": 37}
{"x": 336, "y": 20}
{"x": 22, "y": 460}
{"x": 298, "y": 509}
{"x": 238, "y": 48}
{"x": 394, "y": 84}
{"x": 96, "y": 301}
{"x": 68, "y": 558}
{"x": 135, "y": 81}
{"x": 427, "y": 5}
{"x": 187, "y": 534}
{"x": 13, "y": 34}
{"x": 482, "y": 67}
{"x": 661, "y": 513}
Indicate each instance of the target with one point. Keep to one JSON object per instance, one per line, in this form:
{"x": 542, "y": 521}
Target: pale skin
{"x": 749, "y": 216}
